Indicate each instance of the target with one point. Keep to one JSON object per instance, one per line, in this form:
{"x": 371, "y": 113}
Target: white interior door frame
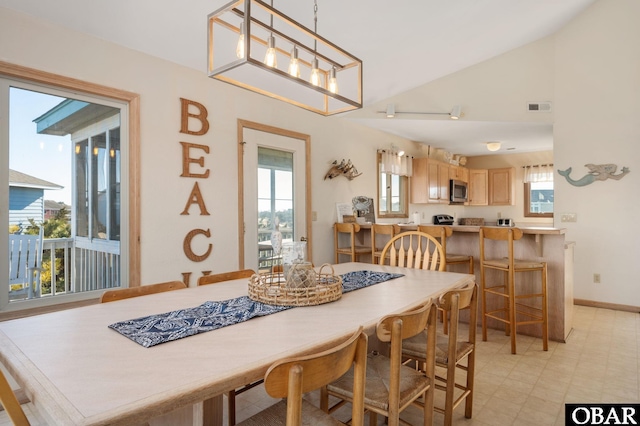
{"x": 244, "y": 127}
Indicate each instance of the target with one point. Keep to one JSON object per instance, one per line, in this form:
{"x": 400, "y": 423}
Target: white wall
{"x": 597, "y": 80}
{"x": 590, "y": 70}
{"x": 33, "y": 43}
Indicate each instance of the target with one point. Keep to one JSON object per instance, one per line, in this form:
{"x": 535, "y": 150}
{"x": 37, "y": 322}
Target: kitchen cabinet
{"x": 501, "y": 187}
{"x": 438, "y": 181}
{"x": 459, "y": 173}
{"x": 430, "y": 182}
{"x": 419, "y": 182}
{"x": 478, "y": 187}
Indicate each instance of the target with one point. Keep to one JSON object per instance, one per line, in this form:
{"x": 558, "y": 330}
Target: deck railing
{"x": 72, "y": 265}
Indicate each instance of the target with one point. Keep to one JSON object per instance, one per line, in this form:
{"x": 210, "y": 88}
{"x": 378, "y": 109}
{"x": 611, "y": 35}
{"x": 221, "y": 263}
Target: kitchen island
{"x": 540, "y": 243}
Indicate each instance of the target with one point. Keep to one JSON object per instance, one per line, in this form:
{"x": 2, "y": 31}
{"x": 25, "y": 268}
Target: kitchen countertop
{"x": 526, "y": 229}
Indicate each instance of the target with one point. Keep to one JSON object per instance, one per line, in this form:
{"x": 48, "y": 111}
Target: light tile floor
{"x": 599, "y": 363}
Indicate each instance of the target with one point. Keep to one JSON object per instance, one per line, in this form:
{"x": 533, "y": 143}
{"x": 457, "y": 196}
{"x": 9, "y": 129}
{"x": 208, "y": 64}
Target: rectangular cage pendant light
{"x": 255, "y": 46}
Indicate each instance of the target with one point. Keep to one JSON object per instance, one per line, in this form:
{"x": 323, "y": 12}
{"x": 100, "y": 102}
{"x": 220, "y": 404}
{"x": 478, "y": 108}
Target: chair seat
{"x": 518, "y": 264}
{"x": 414, "y": 347}
{"x": 376, "y": 392}
{"x": 277, "y": 415}
{"x": 455, "y": 258}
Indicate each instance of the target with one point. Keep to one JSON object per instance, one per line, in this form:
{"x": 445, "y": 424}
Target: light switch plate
{"x": 569, "y": 217}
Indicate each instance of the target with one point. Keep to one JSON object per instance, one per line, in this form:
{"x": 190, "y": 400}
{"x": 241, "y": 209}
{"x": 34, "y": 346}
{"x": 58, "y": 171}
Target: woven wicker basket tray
{"x": 275, "y": 289}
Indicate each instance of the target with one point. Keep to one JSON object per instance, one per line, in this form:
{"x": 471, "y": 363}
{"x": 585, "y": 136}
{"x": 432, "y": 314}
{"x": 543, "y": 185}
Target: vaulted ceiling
{"x": 403, "y": 44}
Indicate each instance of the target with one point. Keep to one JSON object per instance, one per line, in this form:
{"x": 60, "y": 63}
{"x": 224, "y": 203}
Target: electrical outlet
{"x": 499, "y": 215}
{"x": 424, "y": 215}
{"x": 569, "y": 217}
{"x": 596, "y": 278}
{"x": 314, "y": 216}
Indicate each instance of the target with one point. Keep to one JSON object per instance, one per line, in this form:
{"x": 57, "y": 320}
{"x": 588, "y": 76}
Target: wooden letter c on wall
{"x": 187, "y": 245}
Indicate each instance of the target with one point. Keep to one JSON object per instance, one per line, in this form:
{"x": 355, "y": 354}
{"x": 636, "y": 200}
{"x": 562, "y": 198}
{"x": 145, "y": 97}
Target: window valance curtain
{"x": 391, "y": 162}
{"x": 538, "y": 173}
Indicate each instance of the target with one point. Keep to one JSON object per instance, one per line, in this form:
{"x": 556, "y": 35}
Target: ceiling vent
{"x": 539, "y": 106}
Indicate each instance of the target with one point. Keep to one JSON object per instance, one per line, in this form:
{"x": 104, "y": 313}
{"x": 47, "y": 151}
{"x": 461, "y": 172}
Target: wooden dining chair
{"x": 414, "y": 249}
{"x": 217, "y": 278}
{"x": 454, "y": 351}
{"x": 10, "y": 403}
{"x": 442, "y": 233}
{"x": 126, "y": 293}
{"x": 377, "y": 230}
{"x": 292, "y": 377}
{"x": 225, "y": 276}
{"x": 391, "y": 386}
{"x": 353, "y": 250}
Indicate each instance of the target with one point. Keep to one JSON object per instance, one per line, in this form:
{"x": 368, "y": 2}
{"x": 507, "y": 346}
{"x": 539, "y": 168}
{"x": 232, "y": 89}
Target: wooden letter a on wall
{"x": 195, "y": 197}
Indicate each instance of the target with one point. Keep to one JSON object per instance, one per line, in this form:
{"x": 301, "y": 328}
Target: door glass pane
{"x": 275, "y": 204}
{"x": 64, "y": 195}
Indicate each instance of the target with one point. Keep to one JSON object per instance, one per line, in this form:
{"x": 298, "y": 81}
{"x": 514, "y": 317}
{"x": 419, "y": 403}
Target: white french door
{"x": 274, "y": 192}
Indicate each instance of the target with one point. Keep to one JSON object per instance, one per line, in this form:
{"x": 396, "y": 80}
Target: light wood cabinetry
{"x": 487, "y": 187}
{"x": 501, "y": 188}
{"x": 430, "y": 182}
{"x": 438, "y": 177}
{"x": 478, "y": 187}
{"x": 459, "y": 173}
{"x": 419, "y": 182}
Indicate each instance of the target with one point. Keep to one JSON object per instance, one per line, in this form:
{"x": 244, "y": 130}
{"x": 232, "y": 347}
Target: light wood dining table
{"x": 77, "y": 371}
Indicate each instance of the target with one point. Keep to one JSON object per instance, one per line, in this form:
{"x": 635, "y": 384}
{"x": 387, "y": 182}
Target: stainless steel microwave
{"x": 458, "y": 191}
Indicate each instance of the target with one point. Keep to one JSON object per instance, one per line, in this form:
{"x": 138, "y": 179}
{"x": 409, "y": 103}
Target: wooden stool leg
{"x": 545, "y": 316}
{"x": 512, "y": 310}
{"x": 483, "y": 300}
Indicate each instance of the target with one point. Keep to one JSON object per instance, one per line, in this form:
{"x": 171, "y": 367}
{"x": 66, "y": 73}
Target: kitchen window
{"x": 538, "y": 190}
{"x": 393, "y": 177}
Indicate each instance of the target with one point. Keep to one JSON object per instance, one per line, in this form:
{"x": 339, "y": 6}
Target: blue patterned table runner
{"x": 160, "y": 328}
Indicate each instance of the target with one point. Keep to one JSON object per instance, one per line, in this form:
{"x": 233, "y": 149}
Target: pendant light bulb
{"x": 294, "y": 66}
{"x": 270, "y": 59}
{"x": 240, "y": 46}
{"x": 315, "y": 73}
{"x": 333, "y": 81}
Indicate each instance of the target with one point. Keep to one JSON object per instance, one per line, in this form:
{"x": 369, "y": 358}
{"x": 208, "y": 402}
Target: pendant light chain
{"x": 272, "y": 16}
{"x": 315, "y": 24}
{"x": 315, "y": 16}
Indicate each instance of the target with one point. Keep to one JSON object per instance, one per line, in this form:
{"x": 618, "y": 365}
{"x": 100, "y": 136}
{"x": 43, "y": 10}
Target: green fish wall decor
{"x": 596, "y": 172}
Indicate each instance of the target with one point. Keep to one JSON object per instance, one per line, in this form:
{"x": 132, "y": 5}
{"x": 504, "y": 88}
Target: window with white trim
{"x": 538, "y": 190}
{"x": 68, "y": 152}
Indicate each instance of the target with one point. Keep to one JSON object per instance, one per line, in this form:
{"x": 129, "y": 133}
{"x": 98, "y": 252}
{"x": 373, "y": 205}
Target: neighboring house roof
{"x": 55, "y": 205}
{"x": 23, "y": 180}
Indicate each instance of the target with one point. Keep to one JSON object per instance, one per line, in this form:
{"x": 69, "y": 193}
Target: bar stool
{"x": 378, "y": 229}
{"x": 352, "y": 249}
{"x": 442, "y": 233}
{"x": 514, "y": 306}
